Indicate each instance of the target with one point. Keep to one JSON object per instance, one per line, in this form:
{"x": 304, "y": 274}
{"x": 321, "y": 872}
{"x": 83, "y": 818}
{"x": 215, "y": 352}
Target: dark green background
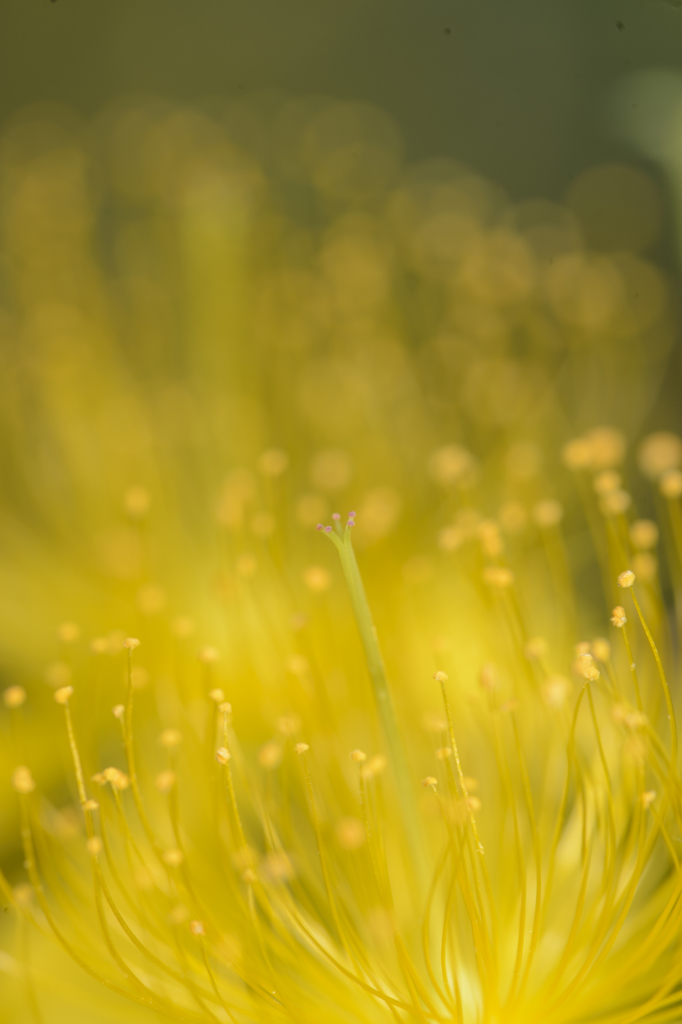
{"x": 514, "y": 87}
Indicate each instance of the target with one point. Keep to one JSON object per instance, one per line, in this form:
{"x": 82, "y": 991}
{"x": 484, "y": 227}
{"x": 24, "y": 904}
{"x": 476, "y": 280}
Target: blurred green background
{"x": 518, "y": 89}
{"x": 513, "y": 87}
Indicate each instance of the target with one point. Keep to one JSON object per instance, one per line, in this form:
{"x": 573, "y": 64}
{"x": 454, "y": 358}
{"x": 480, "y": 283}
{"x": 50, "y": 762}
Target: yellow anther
{"x": 607, "y": 481}
{"x": 488, "y": 678}
{"x": 121, "y": 782}
{"x": 289, "y": 725}
{"x": 197, "y": 928}
{"x": 618, "y": 616}
{"x": 131, "y": 643}
{"x": 62, "y": 694}
{"x": 548, "y": 513}
{"x": 359, "y": 756}
{"x": 14, "y": 696}
{"x": 645, "y": 566}
{"x": 450, "y": 538}
{"x": 23, "y": 894}
{"x": 659, "y": 453}
{"x": 225, "y": 708}
{"x": 429, "y": 781}
{"x": 118, "y": 779}
{"x": 473, "y": 803}
{"x": 440, "y": 677}
{"x": 300, "y": 748}
{"x": 317, "y": 579}
{"x": 90, "y": 805}
{"x": 374, "y": 766}
{"x": 443, "y": 753}
{"x": 170, "y": 738}
{"x": 298, "y": 665}
{"x": 626, "y": 579}
{"x": 670, "y": 484}
{"x": 217, "y": 695}
{"x": 489, "y": 535}
{"x": 165, "y": 781}
{"x": 94, "y": 846}
{"x": 644, "y": 534}
{"x": 607, "y": 447}
{"x": 222, "y": 755}
{"x": 350, "y": 833}
{"x": 498, "y": 577}
{"x": 22, "y": 780}
{"x": 585, "y": 667}
{"x": 209, "y": 655}
{"x": 648, "y": 797}
{"x": 616, "y": 503}
{"x": 634, "y": 720}
{"x": 449, "y": 464}
{"x": 601, "y": 649}
{"x": 555, "y": 690}
{"x": 577, "y": 454}
{"x": 173, "y": 857}
{"x": 270, "y": 754}
{"x": 68, "y": 632}
{"x": 273, "y": 462}
{"x": 277, "y": 867}
{"x": 246, "y": 565}
{"x": 118, "y": 711}
{"x": 536, "y": 648}
{"x": 136, "y": 502}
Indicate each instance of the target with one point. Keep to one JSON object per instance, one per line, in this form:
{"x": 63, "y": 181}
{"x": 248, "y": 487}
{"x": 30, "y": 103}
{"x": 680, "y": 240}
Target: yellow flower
{"x": 368, "y": 772}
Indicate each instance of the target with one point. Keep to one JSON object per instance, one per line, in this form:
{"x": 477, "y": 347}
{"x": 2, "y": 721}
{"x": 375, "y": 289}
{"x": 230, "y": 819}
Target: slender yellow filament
{"x": 664, "y": 682}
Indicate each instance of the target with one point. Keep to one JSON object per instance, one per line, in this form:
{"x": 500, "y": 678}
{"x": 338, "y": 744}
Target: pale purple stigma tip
{"x": 320, "y": 526}
{"x": 327, "y": 529}
{"x": 352, "y": 515}
{"x": 336, "y": 516}
{"x": 351, "y": 522}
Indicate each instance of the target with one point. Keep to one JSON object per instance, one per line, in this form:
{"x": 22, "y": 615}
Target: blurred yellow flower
{"x": 259, "y": 772}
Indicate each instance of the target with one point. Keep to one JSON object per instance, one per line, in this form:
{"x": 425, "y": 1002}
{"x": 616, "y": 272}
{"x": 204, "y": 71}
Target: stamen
{"x": 22, "y": 780}
{"x": 14, "y": 696}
